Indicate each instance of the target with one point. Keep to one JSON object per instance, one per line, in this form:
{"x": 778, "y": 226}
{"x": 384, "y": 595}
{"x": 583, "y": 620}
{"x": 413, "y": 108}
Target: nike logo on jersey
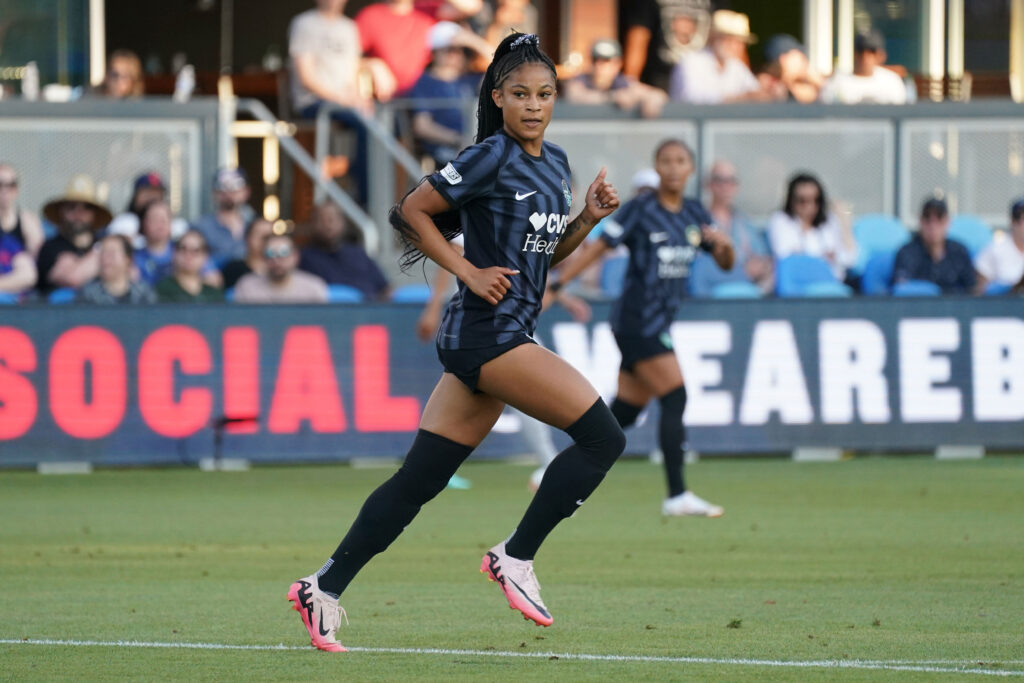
{"x": 520, "y": 197}
{"x": 659, "y": 237}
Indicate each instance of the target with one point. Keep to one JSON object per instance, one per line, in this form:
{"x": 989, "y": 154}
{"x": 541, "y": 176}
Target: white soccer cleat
{"x": 321, "y": 614}
{"x": 518, "y": 582}
{"x": 536, "y": 477}
{"x": 689, "y": 504}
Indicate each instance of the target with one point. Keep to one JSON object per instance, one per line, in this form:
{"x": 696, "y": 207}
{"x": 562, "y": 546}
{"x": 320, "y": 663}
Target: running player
{"x": 510, "y": 195}
{"x": 663, "y": 231}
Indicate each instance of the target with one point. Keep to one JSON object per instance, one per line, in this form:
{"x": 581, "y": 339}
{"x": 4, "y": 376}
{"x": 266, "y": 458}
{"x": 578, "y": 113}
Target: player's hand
{"x": 491, "y": 284}
{"x": 602, "y": 197}
{"x": 426, "y": 326}
{"x": 577, "y": 307}
{"x": 714, "y": 237}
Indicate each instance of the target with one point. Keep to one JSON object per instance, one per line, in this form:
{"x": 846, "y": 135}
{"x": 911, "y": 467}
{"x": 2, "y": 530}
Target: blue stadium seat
{"x": 737, "y": 289}
{"x": 916, "y": 288}
{"x": 971, "y": 232}
{"x": 64, "y": 295}
{"x": 229, "y": 294}
{"x": 997, "y": 289}
{"x": 7, "y": 298}
{"x": 613, "y": 275}
{"x": 415, "y": 293}
{"x": 875, "y": 234}
{"x": 343, "y": 294}
{"x": 794, "y": 273}
{"x": 828, "y": 289}
{"x": 878, "y": 273}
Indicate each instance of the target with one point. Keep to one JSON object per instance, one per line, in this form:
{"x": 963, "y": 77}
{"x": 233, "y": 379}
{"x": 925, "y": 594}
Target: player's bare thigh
{"x": 632, "y": 390}
{"x": 659, "y": 374}
{"x": 456, "y": 413}
{"x": 540, "y": 384}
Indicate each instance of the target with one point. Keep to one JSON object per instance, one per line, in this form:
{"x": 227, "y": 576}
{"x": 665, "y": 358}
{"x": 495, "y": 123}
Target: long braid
{"x": 514, "y": 51}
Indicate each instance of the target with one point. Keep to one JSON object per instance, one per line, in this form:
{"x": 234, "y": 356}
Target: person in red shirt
{"x": 396, "y": 33}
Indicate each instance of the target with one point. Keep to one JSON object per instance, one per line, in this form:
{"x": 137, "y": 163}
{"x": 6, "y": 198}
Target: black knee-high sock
{"x": 431, "y": 462}
{"x": 570, "y": 478}
{"x": 625, "y": 413}
{"x": 671, "y": 435}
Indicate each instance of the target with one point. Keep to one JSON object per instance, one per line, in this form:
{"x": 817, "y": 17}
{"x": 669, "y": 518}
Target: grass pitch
{"x": 872, "y": 569}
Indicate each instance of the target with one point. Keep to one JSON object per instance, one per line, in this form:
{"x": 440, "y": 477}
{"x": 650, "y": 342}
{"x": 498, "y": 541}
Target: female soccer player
{"x": 663, "y": 231}
{"x": 510, "y": 195}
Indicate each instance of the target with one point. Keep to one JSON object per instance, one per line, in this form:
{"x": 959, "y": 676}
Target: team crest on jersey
{"x": 567, "y": 193}
{"x": 451, "y": 175}
{"x": 693, "y": 235}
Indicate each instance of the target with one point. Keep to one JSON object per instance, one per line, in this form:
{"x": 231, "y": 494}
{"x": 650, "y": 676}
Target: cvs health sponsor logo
{"x": 547, "y": 229}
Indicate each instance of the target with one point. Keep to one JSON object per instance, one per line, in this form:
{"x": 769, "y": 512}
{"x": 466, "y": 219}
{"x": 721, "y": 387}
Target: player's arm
{"x": 602, "y": 198}
{"x": 417, "y": 211}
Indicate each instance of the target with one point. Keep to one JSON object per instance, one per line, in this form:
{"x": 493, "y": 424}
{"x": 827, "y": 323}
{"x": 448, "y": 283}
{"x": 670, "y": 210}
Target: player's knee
{"x": 598, "y": 434}
{"x": 428, "y": 467}
{"x": 674, "y": 402}
{"x": 625, "y": 413}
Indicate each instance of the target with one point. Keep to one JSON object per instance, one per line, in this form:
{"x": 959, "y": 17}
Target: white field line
{"x": 933, "y": 666}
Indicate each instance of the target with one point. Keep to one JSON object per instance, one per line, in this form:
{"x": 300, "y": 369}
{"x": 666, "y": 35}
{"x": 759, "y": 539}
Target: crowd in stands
{"x": 672, "y": 50}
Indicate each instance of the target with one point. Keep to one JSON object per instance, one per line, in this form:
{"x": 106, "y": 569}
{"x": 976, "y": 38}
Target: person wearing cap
{"x": 148, "y": 187}
{"x": 224, "y": 229}
{"x": 657, "y": 33}
{"x": 787, "y": 73}
{"x": 68, "y": 259}
{"x": 716, "y": 74}
{"x": 440, "y": 131}
{"x": 1001, "y": 263}
{"x": 605, "y": 83}
{"x": 870, "y": 82}
{"x": 932, "y": 256}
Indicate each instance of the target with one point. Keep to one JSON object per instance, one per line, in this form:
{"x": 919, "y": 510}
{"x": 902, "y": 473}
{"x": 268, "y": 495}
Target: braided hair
{"x": 514, "y": 51}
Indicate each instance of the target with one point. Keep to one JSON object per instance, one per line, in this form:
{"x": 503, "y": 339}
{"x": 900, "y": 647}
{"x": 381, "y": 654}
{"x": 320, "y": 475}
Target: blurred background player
{"x": 663, "y": 231}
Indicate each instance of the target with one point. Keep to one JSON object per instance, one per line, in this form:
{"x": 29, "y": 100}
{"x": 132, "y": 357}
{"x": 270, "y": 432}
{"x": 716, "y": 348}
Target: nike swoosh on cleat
{"x": 520, "y": 197}
{"x": 320, "y": 626}
{"x": 523, "y": 593}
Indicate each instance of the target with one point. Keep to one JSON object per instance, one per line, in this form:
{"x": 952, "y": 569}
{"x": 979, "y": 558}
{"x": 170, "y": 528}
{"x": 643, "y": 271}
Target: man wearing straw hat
{"x": 68, "y": 259}
{"x": 718, "y": 73}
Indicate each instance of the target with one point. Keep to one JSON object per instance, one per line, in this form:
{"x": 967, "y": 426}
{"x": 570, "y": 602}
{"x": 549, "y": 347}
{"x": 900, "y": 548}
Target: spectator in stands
{"x": 17, "y": 267}
{"x": 68, "y": 259}
{"x": 753, "y": 258}
{"x": 148, "y": 187}
{"x": 605, "y": 83}
{"x": 870, "y": 81}
{"x": 440, "y": 130}
{"x": 224, "y": 229}
{"x": 153, "y": 259}
{"x": 716, "y": 74}
{"x": 805, "y": 225}
{"x": 326, "y": 62}
{"x": 658, "y": 33}
{"x": 787, "y": 73}
{"x": 185, "y": 283}
{"x": 509, "y": 16}
{"x": 932, "y": 256}
{"x": 1001, "y": 263}
{"x": 395, "y": 32}
{"x": 450, "y": 10}
{"x": 337, "y": 256}
{"x": 258, "y": 232}
{"x": 124, "y": 76}
{"x": 114, "y": 284}
{"x": 15, "y": 222}
{"x": 282, "y": 283}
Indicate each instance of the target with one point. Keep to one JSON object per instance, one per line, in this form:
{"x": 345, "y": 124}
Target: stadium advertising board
{"x": 144, "y": 385}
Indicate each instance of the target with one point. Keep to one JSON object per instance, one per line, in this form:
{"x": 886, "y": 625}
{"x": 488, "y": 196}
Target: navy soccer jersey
{"x": 662, "y": 246}
{"x": 514, "y": 209}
